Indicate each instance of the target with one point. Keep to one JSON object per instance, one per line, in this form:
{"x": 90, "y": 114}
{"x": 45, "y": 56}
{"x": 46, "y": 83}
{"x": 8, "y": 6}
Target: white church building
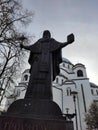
{"x": 72, "y": 91}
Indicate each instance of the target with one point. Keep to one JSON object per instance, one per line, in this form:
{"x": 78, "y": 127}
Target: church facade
{"x": 72, "y": 91}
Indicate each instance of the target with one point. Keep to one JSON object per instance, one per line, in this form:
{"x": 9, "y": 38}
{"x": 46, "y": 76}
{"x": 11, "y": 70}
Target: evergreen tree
{"x": 91, "y": 117}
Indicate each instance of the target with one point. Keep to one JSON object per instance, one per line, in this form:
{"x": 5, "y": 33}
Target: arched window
{"x": 62, "y": 81}
{"x": 68, "y": 91}
{"x": 18, "y": 92}
{"x": 80, "y": 73}
{"x": 56, "y": 80}
{"x": 68, "y": 66}
{"x": 63, "y": 64}
{"x": 97, "y": 92}
{"x": 92, "y": 91}
{"x": 25, "y": 77}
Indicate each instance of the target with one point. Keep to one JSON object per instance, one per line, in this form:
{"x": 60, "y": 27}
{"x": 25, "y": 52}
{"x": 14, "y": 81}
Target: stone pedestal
{"x": 26, "y": 114}
{"x": 21, "y": 123}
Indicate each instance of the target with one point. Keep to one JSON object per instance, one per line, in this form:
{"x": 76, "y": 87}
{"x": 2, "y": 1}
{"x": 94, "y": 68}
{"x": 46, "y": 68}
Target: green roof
{"x": 66, "y": 60}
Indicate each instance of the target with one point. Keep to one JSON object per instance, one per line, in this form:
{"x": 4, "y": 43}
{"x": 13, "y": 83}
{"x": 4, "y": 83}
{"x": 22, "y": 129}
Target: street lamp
{"x": 74, "y": 94}
{"x": 68, "y": 115}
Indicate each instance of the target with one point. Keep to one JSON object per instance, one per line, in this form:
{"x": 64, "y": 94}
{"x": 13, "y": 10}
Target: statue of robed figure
{"x": 37, "y": 111}
{"x": 45, "y": 57}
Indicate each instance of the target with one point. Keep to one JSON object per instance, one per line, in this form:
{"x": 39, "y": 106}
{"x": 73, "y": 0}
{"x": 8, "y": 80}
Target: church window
{"x": 97, "y": 92}
{"x": 18, "y": 92}
{"x": 62, "y": 81}
{"x": 56, "y": 80}
{"x": 68, "y": 91}
{"x": 92, "y": 91}
{"x": 80, "y": 73}
{"x": 25, "y": 77}
{"x": 63, "y": 65}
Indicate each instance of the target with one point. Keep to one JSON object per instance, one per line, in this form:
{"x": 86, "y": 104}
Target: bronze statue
{"x": 45, "y": 57}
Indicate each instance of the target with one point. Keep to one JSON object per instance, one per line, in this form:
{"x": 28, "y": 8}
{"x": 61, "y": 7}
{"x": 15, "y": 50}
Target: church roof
{"x": 93, "y": 85}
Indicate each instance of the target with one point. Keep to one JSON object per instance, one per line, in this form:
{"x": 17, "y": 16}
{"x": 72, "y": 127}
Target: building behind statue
{"x": 72, "y": 78}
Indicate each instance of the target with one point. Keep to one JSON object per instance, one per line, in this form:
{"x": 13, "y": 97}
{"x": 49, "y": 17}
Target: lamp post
{"x": 74, "y": 93}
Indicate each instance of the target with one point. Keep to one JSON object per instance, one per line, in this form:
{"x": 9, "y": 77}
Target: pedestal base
{"x": 38, "y": 108}
{"x": 19, "y": 123}
{"x": 27, "y": 114}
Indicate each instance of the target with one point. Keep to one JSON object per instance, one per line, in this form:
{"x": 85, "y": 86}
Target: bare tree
{"x": 91, "y": 117}
{"x": 12, "y": 15}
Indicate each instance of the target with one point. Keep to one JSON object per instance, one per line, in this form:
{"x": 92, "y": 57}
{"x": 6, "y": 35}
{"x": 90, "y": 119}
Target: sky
{"x": 63, "y": 17}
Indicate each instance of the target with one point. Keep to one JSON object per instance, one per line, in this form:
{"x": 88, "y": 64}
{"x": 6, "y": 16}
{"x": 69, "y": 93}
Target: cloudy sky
{"x": 63, "y": 17}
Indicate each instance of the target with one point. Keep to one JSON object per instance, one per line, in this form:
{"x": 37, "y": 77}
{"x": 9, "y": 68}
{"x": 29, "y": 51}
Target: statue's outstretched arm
{"x": 70, "y": 39}
{"x": 25, "y": 47}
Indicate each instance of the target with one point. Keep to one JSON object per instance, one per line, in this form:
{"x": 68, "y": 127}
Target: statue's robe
{"x": 45, "y": 57}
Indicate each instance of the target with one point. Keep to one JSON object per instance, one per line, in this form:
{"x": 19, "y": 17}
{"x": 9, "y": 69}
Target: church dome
{"x": 66, "y": 60}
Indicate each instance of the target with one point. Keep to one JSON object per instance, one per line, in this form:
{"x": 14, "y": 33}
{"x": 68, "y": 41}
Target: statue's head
{"x": 46, "y": 34}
